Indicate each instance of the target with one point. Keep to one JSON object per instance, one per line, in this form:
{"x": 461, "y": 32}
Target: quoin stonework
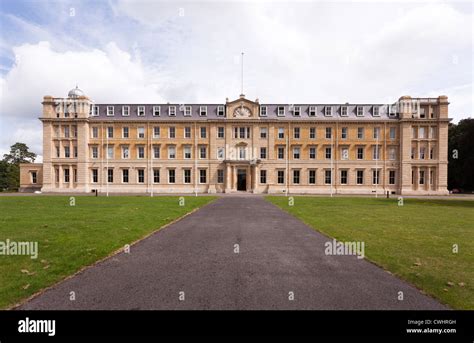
{"x": 242, "y": 145}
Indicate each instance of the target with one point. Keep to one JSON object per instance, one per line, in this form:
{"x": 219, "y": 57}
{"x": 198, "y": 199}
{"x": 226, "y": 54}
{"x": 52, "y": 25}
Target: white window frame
{"x": 138, "y": 132}
{"x": 202, "y": 111}
{"x": 127, "y": 149}
{"x": 282, "y": 113}
{"x": 328, "y": 111}
{"x": 360, "y": 111}
{"x": 312, "y": 111}
{"x": 188, "y": 111}
{"x": 297, "y": 111}
{"x": 220, "y": 111}
{"x": 263, "y": 111}
{"x": 156, "y": 111}
{"x": 138, "y": 152}
{"x": 125, "y": 111}
{"x": 187, "y": 149}
{"x": 95, "y": 111}
{"x": 344, "y": 111}
{"x": 140, "y": 109}
{"x": 123, "y": 131}
{"x": 220, "y": 153}
{"x": 154, "y": 132}
{"x": 170, "y": 149}
{"x": 172, "y": 111}
{"x": 376, "y": 111}
{"x": 110, "y": 111}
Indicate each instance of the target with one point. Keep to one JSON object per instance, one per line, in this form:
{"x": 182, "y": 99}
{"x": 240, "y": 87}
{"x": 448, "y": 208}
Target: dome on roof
{"x": 75, "y": 93}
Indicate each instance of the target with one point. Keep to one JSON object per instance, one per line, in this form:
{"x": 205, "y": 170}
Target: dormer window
{"x": 328, "y": 111}
{"x": 156, "y": 111}
{"x": 187, "y": 111}
{"x": 141, "y": 111}
{"x": 203, "y": 111}
{"x": 172, "y": 111}
{"x": 220, "y": 111}
{"x": 263, "y": 111}
{"x": 376, "y": 111}
{"x": 110, "y": 111}
{"x": 296, "y": 111}
{"x": 360, "y": 111}
{"x": 281, "y": 111}
{"x": 343, "y": 111}
{"x": 125, "y": 111}
{"x": 95, "y": 111}
{"x": 312, "y": 111}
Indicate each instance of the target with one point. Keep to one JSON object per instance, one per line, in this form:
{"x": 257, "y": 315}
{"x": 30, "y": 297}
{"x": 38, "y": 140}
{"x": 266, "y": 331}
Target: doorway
{"x": 241, "y": 180}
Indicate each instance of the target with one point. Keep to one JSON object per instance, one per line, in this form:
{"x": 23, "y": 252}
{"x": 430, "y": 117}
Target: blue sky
{"x": 160, "y": 51}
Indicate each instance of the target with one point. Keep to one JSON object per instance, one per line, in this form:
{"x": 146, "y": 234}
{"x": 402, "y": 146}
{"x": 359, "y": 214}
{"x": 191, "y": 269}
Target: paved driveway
{"x": 279, "y": 256}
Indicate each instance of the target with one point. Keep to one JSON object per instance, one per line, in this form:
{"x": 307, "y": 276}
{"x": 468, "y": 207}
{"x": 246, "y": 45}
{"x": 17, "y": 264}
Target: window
{"x": 67, "y": 152}
{"x": 34, "y": 177}
{"x": 125, "y": 111}
{"x": 125, "y": 152}
{"x": 171, "y": 176}
{"x": 187, "y": 175}
{"x": 140, "y": 152}
{"x": 171, "y": 152}
{"x": 242, "y": 132}
{"x": 220, "y": 153}
{"x": 376, "y": 132}
{"x": 312, "y": 153}
{"x": 156, "y": 176}
{"x": 391, "y": 177}
{"x": 393, "y": 132}
{"x": 141, "y": 111}
{"x": 343, "y": 111}
{"x": 328, "y": 132}
{"x": 328, "y": 153}
{"x": 421, "y": 181}
{"x": 141, "y": 132}
{"x": 376, "y": 152}
{"x": 95, "y": 111}
{"x": 66, "y": 175}
{"x": 156, "y": 111}
{"x": 187, "y": 111}
{"x": 297, "y": 111}
{"x": 360, "y": 111}
{"x": 220, "y": 111}
{"x": 360, "y": 177}
{"x": 125, "y": 175}
{"x": 392, "y": 153}
{"x": 360, "y": 153}
{"x": 263, "y": 132}
{"x": 74, "y": 131}
{"x": 312, "y": 177}
{"x": 413, "y": 152}
{"x": 296, "y": 132}
{"x": 281, "y": 152}
{"x": 125, "y": 132}
{"x": 156, "y": 151}
{"x": 328, "y": 111}
{"x": 375, "y": 111}
{"x": 263, "y": 111}
{"x": 172, "y": 111}
{"x": 58, "y": 154}
{"x": 432, "y": 132}
{"x": 141, "y": 176}
{"x": 327, "y": 177}
{"x": 202, "y": 175}
{"x": 343, "y": 177}
{"x": 220, "y": 175}
{"x": 187, "y": 151}
{"x": 431, "y": 153}
{"x": 421, "y": 132}
{"x": 296, "y": 153}
{"x": 187, "y": 132}
{"x": 110, "y": 110}
{"x": 281, "y": 177}
{"x": 203, "y": 132}
{"x": 95, "y": 175}
{"x": 95, "y": 152}
{"x": 263, "y": 153}
{"x": 281, "y": 111}
{"x": 360, "y": 133}
{"x": 422, "y": 153}
{"x": 202, "y": 152}
{"x": 156, "y": 132}
{"x": 242, "y": 152}
{"x": 172, "y": 132}
{"x": 66, "y": 132}
{"x": 203, "y": 111}
{"x": 110, "y": 152}
{"x": 75, "y": 151}
{"x": 263, "y": 176}
{"x": 345, "y": 153}
{"x": 312, "y": 111}
{"x": 413, "y": 132}
{"x": 296, "y": 176}
{"x": 344, "y": 133}
{"x": 110, "y": 132}
{"x": 95, "y": 132}
{"x": 281, "y": 133}
{"x": 375, "y": 177}
{"x": 220, "y": 132}
{"x": 312, "y": 133}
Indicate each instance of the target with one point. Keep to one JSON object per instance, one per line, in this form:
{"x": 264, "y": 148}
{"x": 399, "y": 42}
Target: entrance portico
{"x": 241, "y": 175}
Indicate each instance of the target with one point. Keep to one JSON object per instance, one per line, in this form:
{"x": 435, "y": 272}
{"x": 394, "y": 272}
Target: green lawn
{"x": 70, "y": 237}
{"x": 413, "y": 241}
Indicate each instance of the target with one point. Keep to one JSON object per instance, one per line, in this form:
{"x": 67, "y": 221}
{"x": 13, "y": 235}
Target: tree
{"x": 10, "y": 166}
{"x": 461, "y": 155}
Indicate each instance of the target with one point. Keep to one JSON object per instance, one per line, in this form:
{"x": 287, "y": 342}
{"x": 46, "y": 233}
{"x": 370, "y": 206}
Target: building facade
{"x": 242, "y": 145}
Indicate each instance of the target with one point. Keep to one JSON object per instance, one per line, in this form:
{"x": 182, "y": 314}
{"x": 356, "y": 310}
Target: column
{"x": 71, "y": 177}
{"x": 228, "y": 178}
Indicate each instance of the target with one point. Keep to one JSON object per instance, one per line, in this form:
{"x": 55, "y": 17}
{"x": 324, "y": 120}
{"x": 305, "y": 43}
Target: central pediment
{"x": 242, "y": 108}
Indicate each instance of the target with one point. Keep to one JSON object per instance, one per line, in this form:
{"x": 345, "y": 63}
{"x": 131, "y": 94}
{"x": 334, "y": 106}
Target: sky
{"x": 120, "y": 51}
